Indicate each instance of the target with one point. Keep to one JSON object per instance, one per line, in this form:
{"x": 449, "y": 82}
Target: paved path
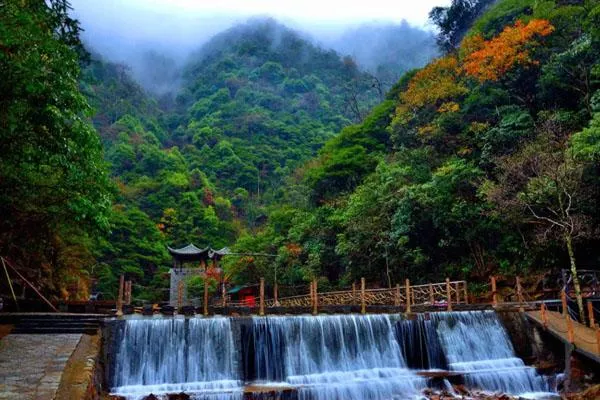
{"x": 31, "y": 366}
{"x": 585, "y": 337}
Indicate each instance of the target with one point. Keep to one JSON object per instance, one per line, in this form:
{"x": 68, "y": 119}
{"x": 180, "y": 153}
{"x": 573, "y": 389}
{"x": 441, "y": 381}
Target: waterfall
{"x": 477, "y": 344}
{"x": 420, "y": 344}
{"x": 328, "y": 357}
{"x": 341, "y": 357}
{"x": 174, "y": 355}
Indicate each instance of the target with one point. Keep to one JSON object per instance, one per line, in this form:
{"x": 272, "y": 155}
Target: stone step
{"x": 54, "y": 330}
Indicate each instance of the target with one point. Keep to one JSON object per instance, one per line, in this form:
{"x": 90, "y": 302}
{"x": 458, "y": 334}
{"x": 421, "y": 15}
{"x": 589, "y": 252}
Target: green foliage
{"x": 53, "y": 181}
{"x": 432, "y": 182}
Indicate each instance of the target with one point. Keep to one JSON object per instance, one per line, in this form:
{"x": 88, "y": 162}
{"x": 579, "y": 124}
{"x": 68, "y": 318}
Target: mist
{"x": 155, "y": 38}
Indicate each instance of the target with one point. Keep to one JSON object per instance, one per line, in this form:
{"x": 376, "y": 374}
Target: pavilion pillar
{"x": 205, "y": 303}
{"x": 397, "y": 295}
{"x": 180, "y": 289}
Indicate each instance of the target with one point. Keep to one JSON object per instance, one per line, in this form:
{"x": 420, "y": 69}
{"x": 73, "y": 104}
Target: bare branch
{"x": 545, "y": 218}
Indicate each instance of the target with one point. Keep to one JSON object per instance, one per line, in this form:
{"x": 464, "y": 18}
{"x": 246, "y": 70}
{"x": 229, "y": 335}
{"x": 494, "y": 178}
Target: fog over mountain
{"x": 155, "y": 38}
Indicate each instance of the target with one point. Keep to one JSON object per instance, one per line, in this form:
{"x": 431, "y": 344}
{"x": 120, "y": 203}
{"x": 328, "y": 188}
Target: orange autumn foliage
{"x": 436, "y": 82}
{"x": 488, "y": 60}
{"x": 434, "y": 85}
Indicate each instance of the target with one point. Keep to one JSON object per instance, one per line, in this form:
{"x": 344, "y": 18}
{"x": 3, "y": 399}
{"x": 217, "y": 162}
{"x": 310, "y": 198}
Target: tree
{"x": 492, "y": 59}
{"x": 52, "y": 175}
{"x": 541, "y": 185}
{"x": 454, "y": 21}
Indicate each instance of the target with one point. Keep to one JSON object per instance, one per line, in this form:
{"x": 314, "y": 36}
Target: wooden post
{"x": 520, "y": 295}
{"x": 590, "y": 308}
{"x": 179, "y": 294}
{"x": 494, "y": 293}
{"x": 223, "y": 294}
{"x": 598, "y": 340}
{"x": 570, "y": 333}
{"x": 448, "y": 294}
{"x": 457, "y": 292}
{"x": 353, "y": 292}
{"x": 261, "y": 309}
{"x": 466, "y": 294}
{"x": 407, "y": 288}
{"x": 275, "y": 295}
{"x": 316, "y": 294}
{"x": 397, "y": 295}
{"x": 120, "y": 298}
{"x": 363, "y": 303}
{"x": 205, "y": 296}
{"x": 544, "y": 315}
{"x": 311, "y": 295}
{"x": 431, "y": 294}
{"x": 129, "y": 288}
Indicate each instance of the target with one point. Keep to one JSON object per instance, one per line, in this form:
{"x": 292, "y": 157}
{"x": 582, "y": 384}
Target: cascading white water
{"x": 477, "y": 344}
{"x": 342, "y": 357}
{"x": 173, "y": 355}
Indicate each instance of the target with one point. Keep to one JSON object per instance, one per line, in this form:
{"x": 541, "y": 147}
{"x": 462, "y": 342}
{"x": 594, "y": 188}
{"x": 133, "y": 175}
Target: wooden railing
{"x": 443, "y": 294}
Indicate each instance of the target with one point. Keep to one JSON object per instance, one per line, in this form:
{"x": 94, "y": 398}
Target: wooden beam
{"x": 544, "y": 315}
{"x": 12, "y": 290}
{"x": 30, "y": 285}
{"x": 363, "y": 300}
{"x": 466, "y": 294}
{"x": 315, "y": 310}
{"x": 275, "y": 295}
{"x": 570, "y": 333}
{"x": 431, "y": 294}
{"x": 397, "y": 295}
{"x": 520, "y": 294}
{"x": 448, "y": 294}
{"x": 590, "y": 308}
{"x": 458, "y": 292}
{"x": 407, "y": 288}
{"x": 494, "y": 293}
{"x": 120, "y": 298}
{"x": 261, "y": 308}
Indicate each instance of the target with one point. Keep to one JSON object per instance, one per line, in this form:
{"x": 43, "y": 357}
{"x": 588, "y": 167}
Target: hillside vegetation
{"x": 484, "y": 161}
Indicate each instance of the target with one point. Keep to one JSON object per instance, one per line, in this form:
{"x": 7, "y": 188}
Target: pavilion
{"x": 191, "y": 254}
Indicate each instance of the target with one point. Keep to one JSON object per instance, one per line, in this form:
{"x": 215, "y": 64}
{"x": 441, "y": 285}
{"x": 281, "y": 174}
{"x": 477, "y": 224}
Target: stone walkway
{"x": 31, "y": 366}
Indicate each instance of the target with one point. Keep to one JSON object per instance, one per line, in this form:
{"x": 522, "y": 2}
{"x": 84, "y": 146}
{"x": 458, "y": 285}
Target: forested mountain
{"x": 255, "y": 102}
{"x": 484, "y": 161}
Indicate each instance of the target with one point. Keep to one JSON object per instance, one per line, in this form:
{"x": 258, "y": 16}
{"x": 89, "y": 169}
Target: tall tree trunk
{"x": 569, "y": 241}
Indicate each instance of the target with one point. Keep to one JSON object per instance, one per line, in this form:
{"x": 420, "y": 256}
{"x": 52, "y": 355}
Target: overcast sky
{"x": 120, "y": 28}
{"x": 190, "y": 21}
